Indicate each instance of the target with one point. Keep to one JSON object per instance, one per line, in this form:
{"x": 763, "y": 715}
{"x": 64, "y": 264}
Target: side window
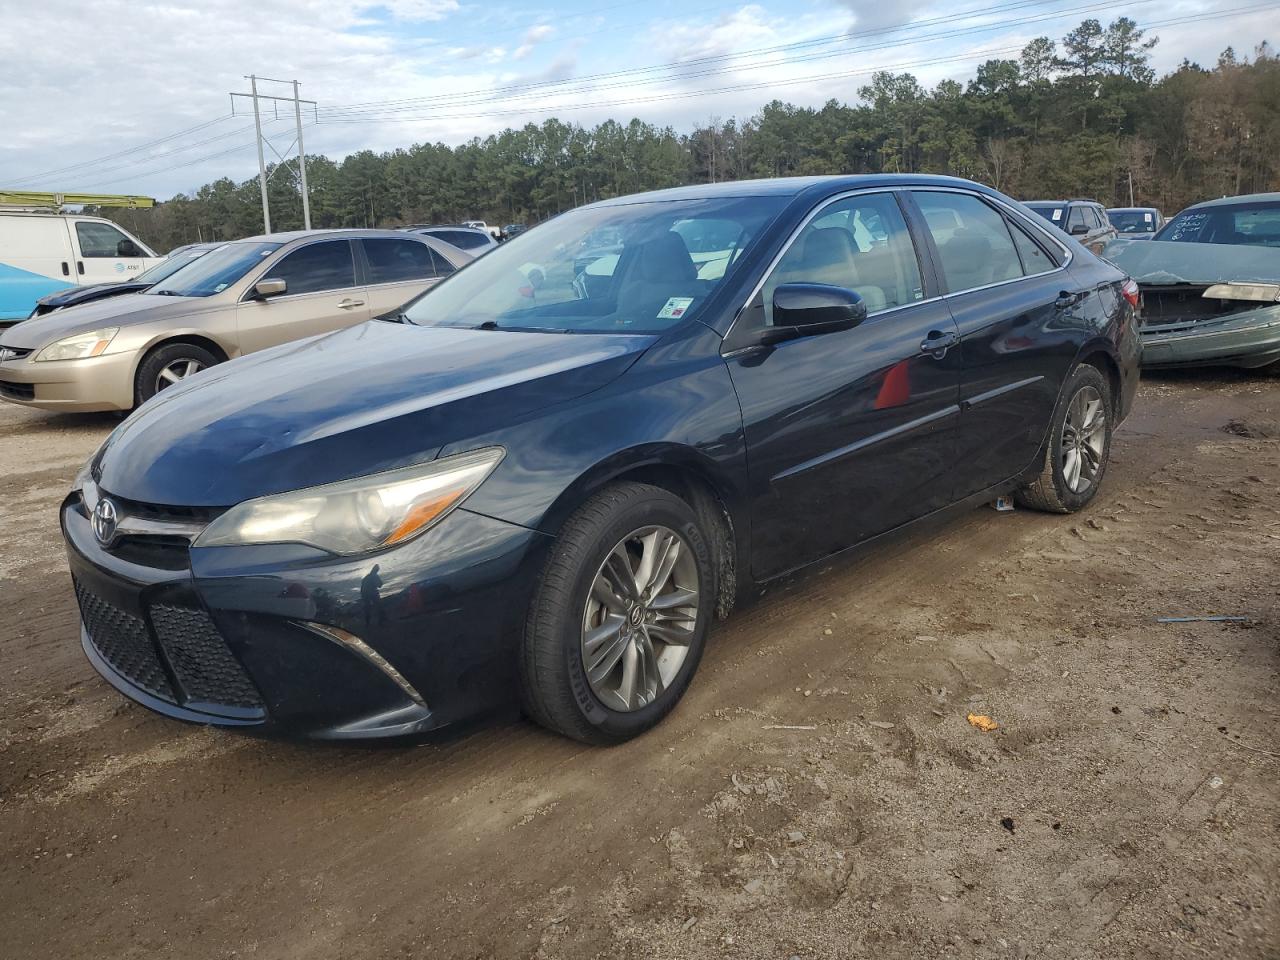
{"x": 463, "y": 239}
{"x": 1034, "y": 259}
{"x": 859, "y": 242}
{"x": 316, "y": 267}
{"x": 1075, "y": 219}
{"x": 105, "y": 241}
{"x": 974, "y": 246}
{"x": 442, "y": 266}
{"x": 395, "y": 261}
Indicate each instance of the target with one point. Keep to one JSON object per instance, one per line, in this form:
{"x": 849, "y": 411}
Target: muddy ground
{"x": 818, "y": 794}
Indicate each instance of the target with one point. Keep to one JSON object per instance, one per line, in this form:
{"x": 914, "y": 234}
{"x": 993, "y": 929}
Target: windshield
{"x": 216, "y": 270}
{"x": 169, "y": 266}
{"x": 1053, "y": 212}
{"x": 1244, "y": 224}
{"x": 637, "y": 268}
{"x": 1133, "y": 221}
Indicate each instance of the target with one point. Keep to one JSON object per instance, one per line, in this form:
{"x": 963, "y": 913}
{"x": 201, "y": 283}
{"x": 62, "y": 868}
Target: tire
{"x": 560, "y": 689}
{"x": 173, "y": 357}
{"x": 1059, "y": 488}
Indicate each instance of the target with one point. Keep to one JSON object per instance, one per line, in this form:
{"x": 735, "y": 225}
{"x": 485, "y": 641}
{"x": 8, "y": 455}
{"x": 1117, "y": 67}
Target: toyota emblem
{"x": 104, "y": 521}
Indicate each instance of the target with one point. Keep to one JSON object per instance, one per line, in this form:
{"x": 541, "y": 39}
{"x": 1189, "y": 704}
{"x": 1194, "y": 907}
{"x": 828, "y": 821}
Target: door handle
{"x": 80, "y": 267}
{"x": 1067, "y": 299}
{"x": 349, "y": 304}
{"x": 938, "y": 343}
{"x": 66, "y": 270}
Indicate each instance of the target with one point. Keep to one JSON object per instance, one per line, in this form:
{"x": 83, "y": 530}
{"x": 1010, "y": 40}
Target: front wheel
{"x": 1079, "y": 446}
{"x": 169, "y": 364}
{"x": 619, "y": 621}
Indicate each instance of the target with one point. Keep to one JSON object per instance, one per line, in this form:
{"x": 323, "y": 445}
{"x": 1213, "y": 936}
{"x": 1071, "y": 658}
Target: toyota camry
{"x": 535, "y": 486}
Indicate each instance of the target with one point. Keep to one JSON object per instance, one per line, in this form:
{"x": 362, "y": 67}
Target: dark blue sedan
{"x": 530, "y": 491}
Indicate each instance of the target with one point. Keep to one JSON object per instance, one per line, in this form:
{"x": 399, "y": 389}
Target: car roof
{"x": 290, "y": 235}
{"x": 1131, "y": 209}
{"x": 789, "y": 187}
{"x": 1232, "y": 201}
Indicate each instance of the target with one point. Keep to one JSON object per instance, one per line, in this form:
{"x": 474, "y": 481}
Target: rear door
{"x": 321, "y": 295}
{"x": 396, "y": 270}
{"x": 106, "y": 254}
{"x": 851, "y": 433}
{"x": 1013, "y": 302}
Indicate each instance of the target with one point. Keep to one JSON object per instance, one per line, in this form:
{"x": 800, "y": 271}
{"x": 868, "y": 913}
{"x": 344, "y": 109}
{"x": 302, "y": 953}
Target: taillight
{"x": 1129, "y": 290}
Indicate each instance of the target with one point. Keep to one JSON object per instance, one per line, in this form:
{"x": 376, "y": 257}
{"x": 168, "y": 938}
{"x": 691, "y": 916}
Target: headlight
{"x": 357, "y": 516}
{"x": 82, "y": 345}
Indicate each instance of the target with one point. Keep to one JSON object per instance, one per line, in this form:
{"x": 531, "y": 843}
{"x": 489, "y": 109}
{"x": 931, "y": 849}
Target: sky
{"x": 133, "y": 96}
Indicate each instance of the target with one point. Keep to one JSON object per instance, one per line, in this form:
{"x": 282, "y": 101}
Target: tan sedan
{"x": 246, "y": 295}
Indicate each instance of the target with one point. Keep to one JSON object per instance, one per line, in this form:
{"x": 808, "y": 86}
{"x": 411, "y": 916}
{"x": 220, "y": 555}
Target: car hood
{"x": 1166, "y": 261}
{"x": 129, "y": 308}
{"x": 371, "y": 398}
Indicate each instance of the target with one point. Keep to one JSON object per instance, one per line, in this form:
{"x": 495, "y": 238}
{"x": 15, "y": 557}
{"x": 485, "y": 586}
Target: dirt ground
{"x": 818, "y": 794}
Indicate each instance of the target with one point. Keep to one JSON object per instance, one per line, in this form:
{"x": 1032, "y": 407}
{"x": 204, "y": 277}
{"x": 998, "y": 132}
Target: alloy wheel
{"x": 1084, "y": 437}
{"x": 177, "y": 370}
{"x": 639, "y": 618}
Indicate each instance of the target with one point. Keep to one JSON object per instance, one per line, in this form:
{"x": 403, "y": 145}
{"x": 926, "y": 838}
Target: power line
{"x": 112, "y": 156}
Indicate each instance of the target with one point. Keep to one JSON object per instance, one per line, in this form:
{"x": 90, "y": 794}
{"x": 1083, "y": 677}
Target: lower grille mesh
{"x": 207, "y": 674}
{"x": 124, "y": 642}
{"x": 200, "y": 660}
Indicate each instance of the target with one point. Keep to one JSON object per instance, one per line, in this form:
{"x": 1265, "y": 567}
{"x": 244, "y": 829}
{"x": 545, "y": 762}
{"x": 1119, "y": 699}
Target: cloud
{"x": 532, "y": 37}
{"x": 414, "y": 11}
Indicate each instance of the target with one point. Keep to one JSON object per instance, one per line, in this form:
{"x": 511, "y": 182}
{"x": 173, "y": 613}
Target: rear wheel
{"x": 169, "y": 364}
{"x": 620, "y": 618}
{"x": 1079, "y": 446}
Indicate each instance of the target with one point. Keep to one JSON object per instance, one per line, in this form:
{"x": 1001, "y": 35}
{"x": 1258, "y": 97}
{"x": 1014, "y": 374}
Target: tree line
{"x": 1082, "y": 116}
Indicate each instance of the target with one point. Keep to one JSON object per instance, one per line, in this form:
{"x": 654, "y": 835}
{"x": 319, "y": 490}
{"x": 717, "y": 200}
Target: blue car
{"x": 537, "y": 495}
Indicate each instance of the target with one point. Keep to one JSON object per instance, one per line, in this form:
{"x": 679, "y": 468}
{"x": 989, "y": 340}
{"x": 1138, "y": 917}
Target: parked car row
{"x": 533, "y": 491}
{"x": 116, "y": 352}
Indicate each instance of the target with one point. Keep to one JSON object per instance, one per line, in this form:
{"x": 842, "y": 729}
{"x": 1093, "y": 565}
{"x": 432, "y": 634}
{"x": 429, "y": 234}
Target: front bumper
{"x": 1249, "y": 339}
{"x": 93, "y": 384}
{"x": 260, "y": 638}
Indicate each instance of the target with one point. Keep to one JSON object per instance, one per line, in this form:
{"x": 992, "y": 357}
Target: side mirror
{"x": 269, "y": 288}
{"x": 127, "y": 248}
{"x": 807, "y": 309}
{"x": 1078, "y": 229}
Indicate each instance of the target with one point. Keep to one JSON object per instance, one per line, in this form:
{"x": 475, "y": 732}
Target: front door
{"x": 848, "y": 434}
{"x": 321, "y": 295}
{"x": 105, "y": 254}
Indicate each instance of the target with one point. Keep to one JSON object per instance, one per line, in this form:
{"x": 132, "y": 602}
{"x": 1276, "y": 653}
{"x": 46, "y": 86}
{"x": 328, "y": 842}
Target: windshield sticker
{"x": 219, "y": 288}
{"x": 675, "y": 307}
{"x": 1057, "y": 214}
{"x": 1147, "y": 217}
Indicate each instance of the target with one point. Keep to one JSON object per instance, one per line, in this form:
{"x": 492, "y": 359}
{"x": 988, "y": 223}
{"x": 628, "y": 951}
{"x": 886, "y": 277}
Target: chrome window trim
{"x": 786, "y": 247}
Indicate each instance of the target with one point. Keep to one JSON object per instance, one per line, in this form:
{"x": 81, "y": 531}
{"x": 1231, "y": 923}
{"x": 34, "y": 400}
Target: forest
{"x": 1082, "y": 116}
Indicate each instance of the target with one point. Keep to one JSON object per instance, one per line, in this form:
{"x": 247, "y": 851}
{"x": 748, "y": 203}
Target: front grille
{"x": 205, "y": 668}
{"x": 124, "y": 641}
{"x": 17, "y": 391}
{"x": 180, "y": 658}
{"x": 166, "y": 514}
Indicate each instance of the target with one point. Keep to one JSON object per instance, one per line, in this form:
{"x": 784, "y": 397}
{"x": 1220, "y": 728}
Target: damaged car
{"x": 1210, "y": 282}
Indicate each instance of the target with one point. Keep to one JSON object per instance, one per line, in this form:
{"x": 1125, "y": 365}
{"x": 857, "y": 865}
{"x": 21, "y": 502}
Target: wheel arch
{"x": 1102, "y": 354}
{"x": 692, "y": 477}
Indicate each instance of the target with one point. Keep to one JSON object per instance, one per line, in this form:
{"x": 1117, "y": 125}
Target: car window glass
{"x": 215, "y": 271}
{"x": 442, "y": 266}
{"x": 103, "y": 240}
{"x": 1034, "y": 259}
{"x": 316, "y": 267}
{"x": 974, "y": 246}
{"x": 463, "y": 239}
{"x": 620, "y": 267}
{"x": 394, "y": 261}
{"x": 861, "y": 243}
{"x": 1075, "y": 218}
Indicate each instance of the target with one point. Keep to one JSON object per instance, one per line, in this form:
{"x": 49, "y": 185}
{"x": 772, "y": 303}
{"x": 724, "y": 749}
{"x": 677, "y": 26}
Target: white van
{"x": 44, "y": 252}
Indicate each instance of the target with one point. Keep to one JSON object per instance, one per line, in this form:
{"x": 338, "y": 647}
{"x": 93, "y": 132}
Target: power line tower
{"x": 297, "y": 102}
